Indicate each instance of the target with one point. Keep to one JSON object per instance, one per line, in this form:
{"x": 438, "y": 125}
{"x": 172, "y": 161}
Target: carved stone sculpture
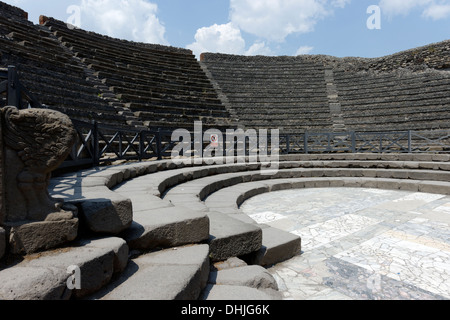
{"x": 35, "y": 142}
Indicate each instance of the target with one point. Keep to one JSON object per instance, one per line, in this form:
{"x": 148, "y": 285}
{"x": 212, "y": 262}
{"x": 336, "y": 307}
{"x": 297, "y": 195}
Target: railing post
{"x": 14, "y": 96}
{"x": 305, "y": 142}
{"x": 409, "y": 141}
{"x": 353, "y": 142}
{"x": 141, "y": 145}
{"x": 288, "y": 144}
{"x": 96, "y": 146}
{"x": 159, "y": 144}
{"x": 381, "y": 143}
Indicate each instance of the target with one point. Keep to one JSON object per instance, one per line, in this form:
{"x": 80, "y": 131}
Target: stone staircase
{"x": 162, "y": 87}
{"x": 335, "y": 107}
{"x": 145, "y": 221}
{"x": 286, "y": 93}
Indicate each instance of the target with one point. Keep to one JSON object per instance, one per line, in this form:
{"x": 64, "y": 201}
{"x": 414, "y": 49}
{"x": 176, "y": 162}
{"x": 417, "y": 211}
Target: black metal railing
{"x": 410, "y": 141}
{"x": 14, "y": 91}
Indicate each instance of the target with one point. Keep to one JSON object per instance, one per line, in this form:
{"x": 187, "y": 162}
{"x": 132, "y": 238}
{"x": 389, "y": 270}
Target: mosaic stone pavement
{"x": 360, "y": 244}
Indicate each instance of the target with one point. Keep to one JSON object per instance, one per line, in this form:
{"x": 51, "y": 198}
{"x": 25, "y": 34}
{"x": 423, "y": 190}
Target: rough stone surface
{"x": 174, "y": 274}
{"x": 250, "y": 276}
{"x": 230, "y": 237}
{"x": 238, "y": 293}
{"x": 233, "y": 262}
{"x": 107, "y": 213}
{"x": 167, "y": 227}
{"x": 34, "y": 283}
{"x": 32, "y": 237}
{"x": 277, "y": 246}
{"x": 36, "y": 142}
{"x": 44, "y": 276}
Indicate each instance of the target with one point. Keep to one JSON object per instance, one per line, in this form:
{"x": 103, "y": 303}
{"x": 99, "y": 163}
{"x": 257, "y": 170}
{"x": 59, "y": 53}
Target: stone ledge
{"x": 28, "y": 238}
{"x": 230, "y": 237}
{"x": 174, "y": 274}
{"x": 44, "y": 276}
{"x": 166, "y": 227}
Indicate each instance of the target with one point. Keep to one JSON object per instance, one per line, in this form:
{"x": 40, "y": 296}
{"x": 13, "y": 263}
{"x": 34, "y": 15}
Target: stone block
{"x": 107, "y": 212}
{"x": 238, "y": 293}
{"x": 250, "y": 276}
{"x": 277, "y": 246}
{"x": 230, "y": 237}
{"x": 28, "y": 238}
{"x": 167, "y": 227}
{"x": 34, "y": 283}
{"x": 44, "y": 276}
{"x": 174, "y": 274}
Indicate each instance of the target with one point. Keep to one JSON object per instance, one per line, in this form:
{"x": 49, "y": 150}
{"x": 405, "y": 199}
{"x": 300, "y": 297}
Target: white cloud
{"x": 271, "y": 21}
{"x": 274, "y": 20}
{"x": 401, "y": 7}
{"x": 259, "y": 48}
{"x": 340, "y": 3}
{"x": 437, "y": 11}
{"x": 304, "y": 50}
{"x": 126, "y": 19}
{"x": 224, "y": 38}
{"x": 434, "y": 9}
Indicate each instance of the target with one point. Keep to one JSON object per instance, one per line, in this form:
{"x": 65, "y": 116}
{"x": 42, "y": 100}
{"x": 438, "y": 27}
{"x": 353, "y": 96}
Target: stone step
{"x": 167, "y": 227}
{"x": 238, "y": 293}
{"x": 230, "y": 237}
{"x": 179, "y": 273}
{"x": 277, "y": 246}
{"x": 241, "y": 283}
{"x": 44, "y": 276}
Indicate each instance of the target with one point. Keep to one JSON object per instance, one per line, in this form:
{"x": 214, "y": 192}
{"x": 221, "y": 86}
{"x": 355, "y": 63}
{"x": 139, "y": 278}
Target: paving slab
{"x": 174, "y": 274}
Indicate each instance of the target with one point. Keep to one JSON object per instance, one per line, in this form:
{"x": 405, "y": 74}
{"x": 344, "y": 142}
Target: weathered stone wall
{"x": 432, "y": 56}
{"x": 12, "y": 11}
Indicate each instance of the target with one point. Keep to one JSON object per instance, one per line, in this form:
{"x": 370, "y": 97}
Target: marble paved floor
{"x": 360, "y": 243}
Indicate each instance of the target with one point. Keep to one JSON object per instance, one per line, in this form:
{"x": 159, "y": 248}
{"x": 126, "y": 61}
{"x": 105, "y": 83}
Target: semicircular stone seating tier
{"x": 163, "y": 208}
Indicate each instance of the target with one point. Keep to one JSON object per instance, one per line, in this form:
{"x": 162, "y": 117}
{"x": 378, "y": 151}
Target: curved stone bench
{"x": 142, "y": 190}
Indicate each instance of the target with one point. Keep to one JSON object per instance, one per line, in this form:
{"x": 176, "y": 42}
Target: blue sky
{"x": 267, "y": 27}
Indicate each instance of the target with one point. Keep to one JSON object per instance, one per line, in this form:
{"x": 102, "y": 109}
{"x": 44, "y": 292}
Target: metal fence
{"x": 13, "y": 90}
{"x": 98, "y": 144}
{"x": 410, "y": 141}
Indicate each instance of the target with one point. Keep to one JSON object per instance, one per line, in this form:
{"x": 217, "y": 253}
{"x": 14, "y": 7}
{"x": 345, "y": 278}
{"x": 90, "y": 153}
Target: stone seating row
{"x": 193, "y": 208}
{"x": 432, "y": 81}
{"x": 101, "y": 49}
{"x": 147, "y": 51}
{"x": 51, "y": 74}
{"x": 147, "y": 190}
{"x": 182, "y": 85}
{"x": 135, "y": 67}
{"x": 273, "y": 92}
{"x": 40, "y": 53}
